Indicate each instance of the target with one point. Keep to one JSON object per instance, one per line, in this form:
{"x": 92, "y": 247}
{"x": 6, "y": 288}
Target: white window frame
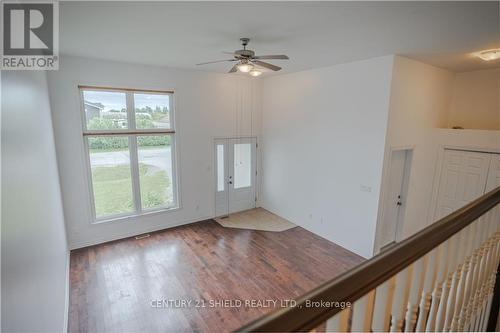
{"x": 132, "y": 133}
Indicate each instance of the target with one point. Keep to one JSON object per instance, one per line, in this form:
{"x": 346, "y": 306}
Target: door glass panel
{"x": 242, "y": 165}
{"x": 220, "y": 168}
{"x": 105, "y": 110}
{"x": 152, "y": 110}
{"x": 111, "y": 175}
{"x": 155, "y": 171}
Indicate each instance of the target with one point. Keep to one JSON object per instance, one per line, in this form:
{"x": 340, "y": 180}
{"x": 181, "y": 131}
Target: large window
{"x": 130, "y": 141}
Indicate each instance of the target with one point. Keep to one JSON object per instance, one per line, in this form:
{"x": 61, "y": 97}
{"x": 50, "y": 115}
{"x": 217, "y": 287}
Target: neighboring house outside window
{"x": 93, "y": 110}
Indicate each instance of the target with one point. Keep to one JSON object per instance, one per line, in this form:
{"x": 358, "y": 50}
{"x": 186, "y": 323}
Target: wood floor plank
{"x": 113, "y": 285}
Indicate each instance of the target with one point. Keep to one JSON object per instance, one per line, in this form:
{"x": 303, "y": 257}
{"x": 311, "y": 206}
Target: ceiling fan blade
{"x": 213, "y": 62}
{"x": 266, "y": 65}
{"x": 275, "y": 56}
{"x": 233, "y": 69}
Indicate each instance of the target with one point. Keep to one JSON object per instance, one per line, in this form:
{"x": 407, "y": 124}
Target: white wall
{"x": 420, "y": 109}
{"x": 420, "y": 101}
{"x": 476, "y": 100}
{"x": 34, "y": 250}
{"x": 323, "y": 140}
{"x": 206, "y": 105}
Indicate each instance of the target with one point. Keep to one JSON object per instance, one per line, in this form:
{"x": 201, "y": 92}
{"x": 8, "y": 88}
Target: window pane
{"x": 111, "y": 177}
{"x": 242, "y": 165}
{"x": 152, "y": 111}
{"x": 105, "y": 110}
{"x": 155, "y": 171}
{"x": 220, "y": 168}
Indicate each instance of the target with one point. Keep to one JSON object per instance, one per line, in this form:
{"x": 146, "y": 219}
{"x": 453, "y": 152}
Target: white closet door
{"x": 463, "y": 179}
{"x": 494, "y": 173}
{"x": 494, "y": 181}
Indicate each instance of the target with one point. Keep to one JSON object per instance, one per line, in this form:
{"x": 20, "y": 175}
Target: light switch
{"x": 365, "y": 188}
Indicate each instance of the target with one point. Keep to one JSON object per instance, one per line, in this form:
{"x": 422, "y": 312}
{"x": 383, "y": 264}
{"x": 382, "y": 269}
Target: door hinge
{"x": 255, "y": 199}
{"x": 256, "y": 145}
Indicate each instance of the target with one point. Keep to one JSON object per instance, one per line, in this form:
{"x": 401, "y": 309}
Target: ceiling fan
{"x": 247, "y": 61}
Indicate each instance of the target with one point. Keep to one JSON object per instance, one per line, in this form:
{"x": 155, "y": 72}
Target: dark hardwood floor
{"x": 127, "y": 285}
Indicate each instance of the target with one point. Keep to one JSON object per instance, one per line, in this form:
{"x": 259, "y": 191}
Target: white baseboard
{"x": 79, "y": 245}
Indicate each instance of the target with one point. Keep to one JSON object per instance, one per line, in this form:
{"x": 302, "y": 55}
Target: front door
{"x": 235, "y": 165}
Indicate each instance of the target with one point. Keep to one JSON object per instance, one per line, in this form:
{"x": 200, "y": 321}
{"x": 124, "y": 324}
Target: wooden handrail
{"x": 360, "y": 280}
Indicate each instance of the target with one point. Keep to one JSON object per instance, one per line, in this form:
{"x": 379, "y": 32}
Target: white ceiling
{"x": 313, "y": 34}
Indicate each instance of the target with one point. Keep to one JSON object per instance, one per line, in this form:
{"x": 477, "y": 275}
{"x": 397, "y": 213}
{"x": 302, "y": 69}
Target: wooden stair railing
{"x": 440, "y": 279}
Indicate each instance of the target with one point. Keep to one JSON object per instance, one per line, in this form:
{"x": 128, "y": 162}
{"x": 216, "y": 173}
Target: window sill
{"x": 121, "y": 218}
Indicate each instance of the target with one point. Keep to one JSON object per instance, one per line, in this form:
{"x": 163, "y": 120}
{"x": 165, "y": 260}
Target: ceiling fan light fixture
{"x": 255, "y": 72}
{"x": 245, "y": 67}
{"x": 245, "y": 60}
{"x": 489, "y": 55}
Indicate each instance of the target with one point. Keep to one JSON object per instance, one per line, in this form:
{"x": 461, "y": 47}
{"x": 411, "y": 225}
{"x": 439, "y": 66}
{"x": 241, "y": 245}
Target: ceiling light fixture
{"x": 245, "y": 67}
{"x": 255, "y": 72}
{"x": 489, "y": 55}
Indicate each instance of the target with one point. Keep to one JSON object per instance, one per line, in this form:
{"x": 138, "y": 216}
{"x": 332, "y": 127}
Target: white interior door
{"x": 463, "y": 179}
{"x": 235, "y": 175}
{"x": 395, "y": 202}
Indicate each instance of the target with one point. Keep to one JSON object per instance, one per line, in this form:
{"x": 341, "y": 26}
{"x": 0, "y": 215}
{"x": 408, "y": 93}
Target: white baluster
{"x": 425, "y": 300}
{"x": 462, "y": 291}
{"x": 471, "y": 284}
{"x": 480, "y": 274}
{"x": 451, "y": 259}
{"x": 399, "y": 299}
{"x": 339, "y": 322}
{"x": 382, "y": 306}
{"x": 436, "y": 293}
{"x": 490, "y": 269}
{"x": 362, "y": 313}
{"x": 461, "y": 239}
{"x": 414, "y": 288}
{"x": 485, "y": 275}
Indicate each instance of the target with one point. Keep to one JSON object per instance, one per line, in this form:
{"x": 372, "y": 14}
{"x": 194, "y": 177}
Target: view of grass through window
{"x": 110, "y": 158}
{"x": 111, "y": 176}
